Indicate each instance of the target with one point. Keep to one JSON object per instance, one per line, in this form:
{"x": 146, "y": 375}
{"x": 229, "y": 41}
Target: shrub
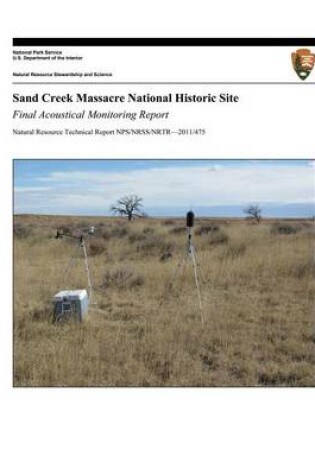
{"x": 291, "y": 375}
{"x": 166, "y": 256}
{"x": 66, "y": 229}
{"x": 207, "y": 229}
{"x": 82, "y": 225}
{"x": 302, "y": 269}
{"x": 119, "y": 231}
{"x": 178, "y": 230}
{"x": 308, "y": 224}
{"x": 169, "y": 222}
{"x": 96, "y": 247}
{"x": 234, "y": 250}
{"x": 284, "y": 228}
{"x": 154, "y": 243}
{"x": 218, "y": 238}
{"x": 136, "y": 237}
{"x": 122, "y": 277}
{"x": 106, "y": 234}
{"x": 22, "y": 231}
{"x": 148, "y": 230}
{"x": 42, "y": 312}
{"x": 109, "y": 232}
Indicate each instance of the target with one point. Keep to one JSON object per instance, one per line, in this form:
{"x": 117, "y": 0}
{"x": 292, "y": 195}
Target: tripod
{"x": 82, "y": 242}
{"x": 190, "y": 257}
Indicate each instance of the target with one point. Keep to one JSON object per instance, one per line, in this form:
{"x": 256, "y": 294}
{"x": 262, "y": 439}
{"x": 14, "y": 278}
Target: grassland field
{"x": 257, "y": 286}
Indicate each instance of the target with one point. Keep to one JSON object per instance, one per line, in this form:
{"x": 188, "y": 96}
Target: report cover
{"x": 164, "y": 206}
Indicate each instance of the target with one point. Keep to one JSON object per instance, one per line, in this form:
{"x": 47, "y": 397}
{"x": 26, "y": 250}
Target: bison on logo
{"x": 303, "y": 62}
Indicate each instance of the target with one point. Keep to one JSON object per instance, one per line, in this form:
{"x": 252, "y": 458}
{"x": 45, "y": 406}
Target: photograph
{"x": 163, "y": 273}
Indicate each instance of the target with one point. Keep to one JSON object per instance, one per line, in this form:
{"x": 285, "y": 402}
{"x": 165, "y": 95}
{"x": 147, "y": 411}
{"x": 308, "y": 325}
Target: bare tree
{"x": 130, "y": 206}
{"x": 253, "y": 212}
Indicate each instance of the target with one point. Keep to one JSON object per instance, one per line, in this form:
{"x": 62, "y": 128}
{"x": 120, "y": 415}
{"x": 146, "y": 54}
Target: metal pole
{"x": 193, "y": 258}
{"x": 86, "y": 262}
{"x": 189, "y": 241}
{"x": 191, "y": 254}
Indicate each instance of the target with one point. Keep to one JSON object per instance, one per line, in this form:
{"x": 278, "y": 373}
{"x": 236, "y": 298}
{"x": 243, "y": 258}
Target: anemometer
{"x": 81, "y": 239}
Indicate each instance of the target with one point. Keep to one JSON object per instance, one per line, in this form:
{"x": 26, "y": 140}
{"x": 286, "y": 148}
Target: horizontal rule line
{"x": 178, "y": 42}
{"x": 166, "y": 83}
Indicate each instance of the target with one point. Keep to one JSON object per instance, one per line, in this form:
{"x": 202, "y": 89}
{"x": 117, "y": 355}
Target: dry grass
{"x": 258, "y": 303}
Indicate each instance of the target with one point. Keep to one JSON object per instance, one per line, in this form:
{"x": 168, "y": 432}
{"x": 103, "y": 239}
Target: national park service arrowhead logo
{"x": 303, "y": 62}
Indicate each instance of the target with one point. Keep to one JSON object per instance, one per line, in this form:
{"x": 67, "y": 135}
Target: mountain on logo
{"x": 303, "y": 62}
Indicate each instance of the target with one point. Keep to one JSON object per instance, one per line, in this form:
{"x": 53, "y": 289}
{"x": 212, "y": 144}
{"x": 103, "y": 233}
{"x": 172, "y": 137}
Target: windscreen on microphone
{"x": 190, "y": 218}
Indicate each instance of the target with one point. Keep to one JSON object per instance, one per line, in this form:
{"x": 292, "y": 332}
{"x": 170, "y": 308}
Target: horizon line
{"x": 160, "y": 216}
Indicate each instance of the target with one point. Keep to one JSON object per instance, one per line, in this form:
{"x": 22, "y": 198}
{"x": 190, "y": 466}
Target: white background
{"x": 221, "y": 431}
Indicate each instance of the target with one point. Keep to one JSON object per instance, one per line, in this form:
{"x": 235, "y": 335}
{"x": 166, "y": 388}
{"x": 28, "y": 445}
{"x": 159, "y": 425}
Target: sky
{"x": 282, "y": 188}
